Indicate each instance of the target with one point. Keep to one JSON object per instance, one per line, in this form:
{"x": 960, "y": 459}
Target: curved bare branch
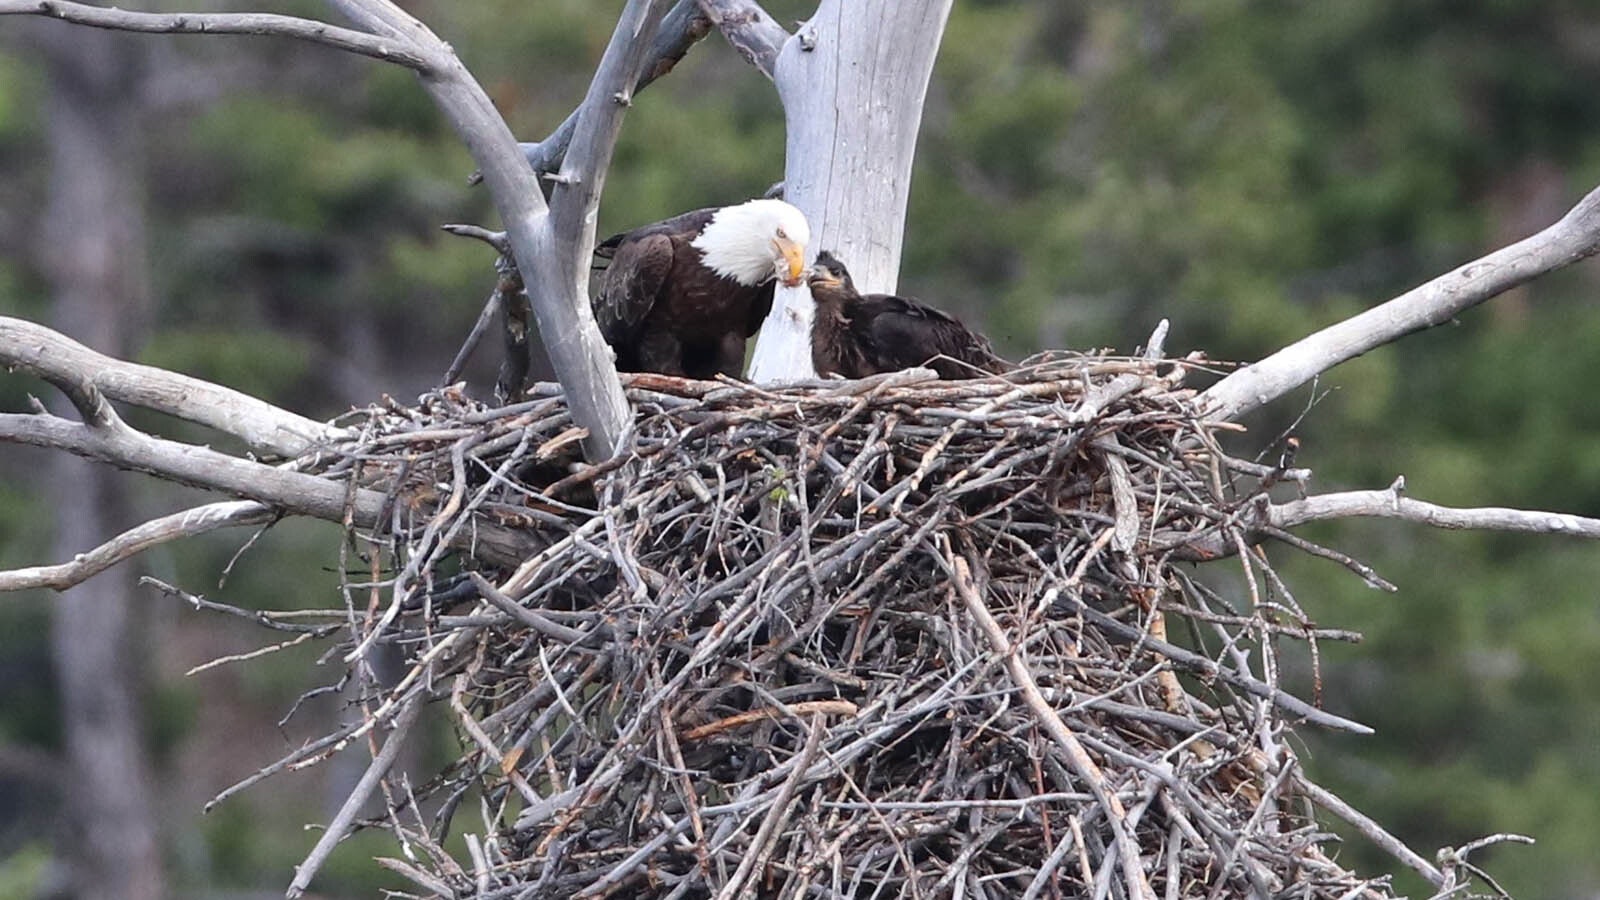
{"x": 1264, "y": 517}
{"x": 385, "y": 49}
{"x": 1389, "y": 504}
{"x": 547, "y": 256}
{"x": 293, "y": 492}
{"x": 581, "y": 359}
{"x": 1573, "y": 238}
{"x": 50, "y": 355}
{"x": 136, "y": 540}
{"x": 577, "y": 192}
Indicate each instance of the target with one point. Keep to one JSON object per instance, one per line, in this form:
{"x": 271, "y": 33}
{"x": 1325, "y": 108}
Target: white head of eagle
{"x": 755, "y": 242}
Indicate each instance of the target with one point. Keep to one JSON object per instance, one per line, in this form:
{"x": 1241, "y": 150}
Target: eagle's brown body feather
{"x": 856, "y": 335}
{"x": 664, "y": 310}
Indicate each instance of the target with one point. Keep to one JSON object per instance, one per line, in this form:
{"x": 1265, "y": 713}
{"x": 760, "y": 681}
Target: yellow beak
{"x": 794, "y": 260}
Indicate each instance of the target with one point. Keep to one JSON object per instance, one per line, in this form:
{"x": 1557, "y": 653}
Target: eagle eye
{"x": 781, "y": 233}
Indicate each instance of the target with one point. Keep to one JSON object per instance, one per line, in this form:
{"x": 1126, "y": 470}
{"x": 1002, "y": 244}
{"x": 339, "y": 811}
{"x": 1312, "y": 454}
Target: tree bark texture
{"x": 550, "y": 254}
{"x": 852, "y": 81}
{"x": 93, "y": 253}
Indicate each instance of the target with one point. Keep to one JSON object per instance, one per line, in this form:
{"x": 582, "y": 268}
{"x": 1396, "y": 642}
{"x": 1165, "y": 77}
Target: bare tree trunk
{"x": 93, "y": 252}
{"x": 852, "y": 82}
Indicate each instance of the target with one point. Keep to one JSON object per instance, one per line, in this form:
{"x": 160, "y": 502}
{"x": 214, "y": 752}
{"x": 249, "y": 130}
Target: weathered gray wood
{"x": 581, "y": 359}
{"x": 682, "y": 27}
{"x": 757, "y": 36}
{"x": 578, "y": 353}
{"x": 545, "y": 256}
{"x": 565, "y": 245}
{"x": 81, "y": 565}
{"x": 295, "y": 493}
{"x": 852, "y": 82}
{"x": 48, "y": 354}
{"x": 1575, "y": 237}
{"x": 221, "y": 23}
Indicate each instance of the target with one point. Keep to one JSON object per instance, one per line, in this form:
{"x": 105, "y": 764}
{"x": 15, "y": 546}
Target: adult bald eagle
{"x": 681, "y": 296}
{"x": 856, "y": 335}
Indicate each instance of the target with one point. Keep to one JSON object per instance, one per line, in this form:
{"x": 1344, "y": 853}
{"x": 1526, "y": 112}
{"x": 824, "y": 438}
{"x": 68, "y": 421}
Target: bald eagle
{"x": 681, "y": 296}
{"x": 856, "y": 335}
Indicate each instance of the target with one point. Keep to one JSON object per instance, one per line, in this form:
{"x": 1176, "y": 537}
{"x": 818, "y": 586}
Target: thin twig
{"x": 339, "y": 826}
{"x": 1084, "y": 767}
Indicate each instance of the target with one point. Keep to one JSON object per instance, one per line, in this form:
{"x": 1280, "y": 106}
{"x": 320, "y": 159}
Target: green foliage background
{"x": 1252, "y": 169}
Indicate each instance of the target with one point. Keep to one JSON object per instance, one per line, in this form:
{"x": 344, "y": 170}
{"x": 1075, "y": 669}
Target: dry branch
{"x": 288, "y": 492}
{"x": 154, "y": 533}
{"x": 385, "y": 49}
{"x": 681, "y": 28}
{"x": 1262, "y": 518}
{"x": 337, "y": 829}
{"x": 1575, "y": 237}
{"x": 757, "y": 36}
{"x": 1390, "y": 504}
{"x": 576, "y": 194}
{"x": 187, "y": 464}
{"x": 546, "y": 255}
{"x": 43, "y": 353}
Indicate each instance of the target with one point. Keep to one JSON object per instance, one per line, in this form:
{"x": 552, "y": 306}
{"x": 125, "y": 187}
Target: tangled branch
{"x": 888, "y": 636}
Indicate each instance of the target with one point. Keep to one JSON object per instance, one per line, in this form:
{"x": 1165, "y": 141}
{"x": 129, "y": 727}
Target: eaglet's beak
{"x": 794, "y": 260}
{"x": 820, "y": 276}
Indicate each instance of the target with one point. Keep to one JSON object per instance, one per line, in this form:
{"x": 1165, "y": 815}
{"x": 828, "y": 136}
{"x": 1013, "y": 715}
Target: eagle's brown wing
{"x": 629, "y": 288}
{"x": 688, "y": 223}
{"x": 905, "y": 333}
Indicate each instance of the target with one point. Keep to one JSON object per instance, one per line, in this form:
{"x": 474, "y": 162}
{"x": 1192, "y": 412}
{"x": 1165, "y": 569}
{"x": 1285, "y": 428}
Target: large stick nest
{"x": 888, "y": 638}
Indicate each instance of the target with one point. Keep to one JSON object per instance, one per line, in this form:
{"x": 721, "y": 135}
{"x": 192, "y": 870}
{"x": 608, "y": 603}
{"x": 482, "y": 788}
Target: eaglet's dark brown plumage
{"x": 856, "y": 335}
{"x": 681, "y": 296}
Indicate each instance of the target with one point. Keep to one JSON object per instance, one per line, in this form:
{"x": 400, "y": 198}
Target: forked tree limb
{"x": 757, "y": 36}
{"x": 186, "y": 464}
{"x": 681, "y": 28}
{"x": 549, "y": 248}
{"x": 1575, "y": 237}
{"x": 386, "y": 49}
{"x": 578, "y": 353}
{"x": 201, "y": 467}
{"x": 52, "y": 356}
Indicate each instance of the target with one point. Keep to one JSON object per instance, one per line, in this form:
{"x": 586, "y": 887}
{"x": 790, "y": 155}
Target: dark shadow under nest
{"x": 887, "y": 638}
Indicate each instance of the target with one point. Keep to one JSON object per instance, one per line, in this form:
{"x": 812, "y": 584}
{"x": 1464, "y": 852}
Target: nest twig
{"x": 887, "y": 638}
